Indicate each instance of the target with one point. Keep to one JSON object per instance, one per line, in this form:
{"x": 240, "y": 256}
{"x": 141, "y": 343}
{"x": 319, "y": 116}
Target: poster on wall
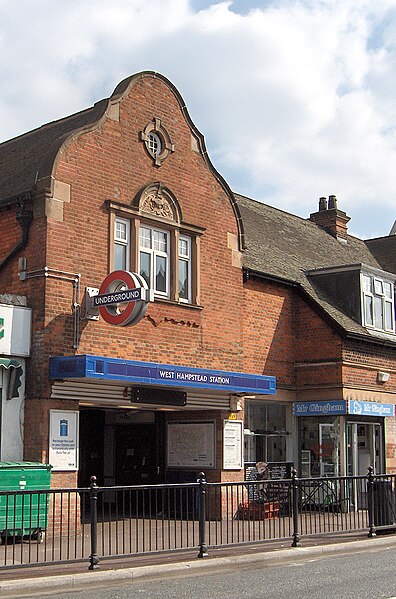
{"x": 233, "y": 445}
{"x": 191, "y": 445}
{"x": 63, "y": 443}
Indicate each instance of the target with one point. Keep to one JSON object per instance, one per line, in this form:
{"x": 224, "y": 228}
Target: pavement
{"x": 41, "y": 580}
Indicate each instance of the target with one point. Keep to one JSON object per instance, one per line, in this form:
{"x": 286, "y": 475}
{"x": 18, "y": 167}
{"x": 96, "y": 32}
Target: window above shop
{"x": 378, "y": 306}
{"x": 150, "y": 238}
{"x": 364, "y": 293}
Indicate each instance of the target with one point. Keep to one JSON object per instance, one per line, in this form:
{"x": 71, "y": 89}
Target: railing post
{"x": 203, "y": 550}
{"x": 93, "y": 558}
{"x": 370, "y": 501}
{"x": 295, "y": 494}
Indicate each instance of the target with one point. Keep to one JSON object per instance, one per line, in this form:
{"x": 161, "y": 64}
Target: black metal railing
{"x": 95, "y": 523}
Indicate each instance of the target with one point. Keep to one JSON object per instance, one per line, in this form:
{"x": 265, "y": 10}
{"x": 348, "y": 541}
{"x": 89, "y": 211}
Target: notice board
{"x": 191, "y": 445}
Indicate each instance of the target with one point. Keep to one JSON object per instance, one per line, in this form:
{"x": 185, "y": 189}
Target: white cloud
{"x": 295, "y": 97}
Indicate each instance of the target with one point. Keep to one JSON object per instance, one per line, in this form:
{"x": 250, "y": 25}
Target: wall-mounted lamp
{"x": 383, "y": 377}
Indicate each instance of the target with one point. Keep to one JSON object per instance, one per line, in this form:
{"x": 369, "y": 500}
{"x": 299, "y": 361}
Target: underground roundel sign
{"x": 123, "y": 298}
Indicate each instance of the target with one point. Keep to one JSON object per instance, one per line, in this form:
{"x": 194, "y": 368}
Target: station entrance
{"x": 121, "y": 447}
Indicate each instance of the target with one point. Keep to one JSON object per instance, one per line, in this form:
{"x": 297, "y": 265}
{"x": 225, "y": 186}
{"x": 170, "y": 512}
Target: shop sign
{"x": 123, "y": 298}
{"x": 320, "y": 408}
{"x": 342, "y": 407}
{"x": 63, "y": 445}
{"x": 15, "y": 330}
{"x": 370, "y": 408}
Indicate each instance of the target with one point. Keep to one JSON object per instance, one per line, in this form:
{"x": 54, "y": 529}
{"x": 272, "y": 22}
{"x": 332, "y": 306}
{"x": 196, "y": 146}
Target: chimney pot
{"x": 331, "y": 219}
{"x": 332, "y": 202}
{"x": 322, "y": 204}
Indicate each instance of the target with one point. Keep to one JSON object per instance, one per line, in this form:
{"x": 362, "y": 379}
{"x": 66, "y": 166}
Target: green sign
{"x": 1, "y": 328}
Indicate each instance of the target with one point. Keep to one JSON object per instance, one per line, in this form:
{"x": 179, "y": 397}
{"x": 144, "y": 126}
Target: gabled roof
{"x": 285, "y": 247}
{"x": 28, "y": 159}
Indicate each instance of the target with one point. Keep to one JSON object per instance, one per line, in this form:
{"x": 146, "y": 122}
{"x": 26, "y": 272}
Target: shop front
{"x": 341, "y": 438}
{"x": 148, "y": 423}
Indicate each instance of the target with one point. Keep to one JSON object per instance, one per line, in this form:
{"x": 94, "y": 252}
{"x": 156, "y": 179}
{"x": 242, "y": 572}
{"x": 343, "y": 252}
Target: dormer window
{"x": 378, "y": 305}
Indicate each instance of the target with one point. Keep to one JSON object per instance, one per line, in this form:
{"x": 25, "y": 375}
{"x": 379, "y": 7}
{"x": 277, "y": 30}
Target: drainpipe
{"x": 24, "y": 218}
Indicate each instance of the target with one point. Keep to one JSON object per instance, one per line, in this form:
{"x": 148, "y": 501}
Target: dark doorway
{"x": 91, "y": 446}
{"x": 136, "y": 455}
{"x": 121, "y": 448}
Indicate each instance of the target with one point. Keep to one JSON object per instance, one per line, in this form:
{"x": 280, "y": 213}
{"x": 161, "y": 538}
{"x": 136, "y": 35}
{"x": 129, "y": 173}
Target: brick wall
{"x": 362, "y": 362}
{"x": 269, "y": 330}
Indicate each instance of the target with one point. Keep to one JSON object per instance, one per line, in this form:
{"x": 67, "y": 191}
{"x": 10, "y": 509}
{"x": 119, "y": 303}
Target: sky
{"x": 296, "y": 98}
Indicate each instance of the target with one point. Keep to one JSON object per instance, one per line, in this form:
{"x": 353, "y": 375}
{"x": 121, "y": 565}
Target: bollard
{"x": 295, "y": 493}
{"x": 370, "y": 501}
{"x": 93, "y": 558}
{"x": 203, "y": 550}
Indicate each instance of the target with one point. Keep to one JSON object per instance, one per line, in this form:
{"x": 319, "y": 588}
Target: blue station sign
{"x": 151, "y": 373}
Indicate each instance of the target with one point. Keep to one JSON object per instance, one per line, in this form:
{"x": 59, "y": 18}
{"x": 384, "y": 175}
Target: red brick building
{"x": 243, "y": 294}
{"x": 319, "y": 315}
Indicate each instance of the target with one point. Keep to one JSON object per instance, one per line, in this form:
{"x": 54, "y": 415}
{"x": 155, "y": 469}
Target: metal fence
{"x": 95, "y": 523}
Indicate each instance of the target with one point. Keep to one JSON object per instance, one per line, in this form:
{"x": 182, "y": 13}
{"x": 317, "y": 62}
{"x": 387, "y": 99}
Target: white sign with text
{"x": 63, "y": 444}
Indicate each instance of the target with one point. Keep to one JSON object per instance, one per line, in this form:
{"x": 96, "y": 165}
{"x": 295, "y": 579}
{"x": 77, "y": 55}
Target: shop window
{"x": 378, "y": 308}
{"x": 320, "y": 447}
{"x": 266, "y": 435}
{"x": 150, "y": 239}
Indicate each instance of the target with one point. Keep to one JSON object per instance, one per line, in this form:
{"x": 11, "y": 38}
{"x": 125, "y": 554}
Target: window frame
{"x": 374, "y": 295}
{"x": 174, "y": 232}
{"x": 121, "y": 242}
{"x": 185, "y": 259}
{"x": 154, "y": 254}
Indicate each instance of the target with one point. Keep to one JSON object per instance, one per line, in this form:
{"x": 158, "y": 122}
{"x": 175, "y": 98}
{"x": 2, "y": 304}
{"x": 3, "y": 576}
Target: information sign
{"x": 63, "y": 445}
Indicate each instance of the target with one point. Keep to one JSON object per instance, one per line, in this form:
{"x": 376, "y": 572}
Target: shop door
{"x": 135, "y": 455}
{"x": 364, "y": 449}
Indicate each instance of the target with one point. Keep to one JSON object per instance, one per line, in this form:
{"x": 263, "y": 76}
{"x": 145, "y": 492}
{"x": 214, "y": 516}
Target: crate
{"x": 254, "y": 510}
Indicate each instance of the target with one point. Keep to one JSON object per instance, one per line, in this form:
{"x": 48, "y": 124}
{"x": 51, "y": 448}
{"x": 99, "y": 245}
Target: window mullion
{"x": 174, "y": 274}
{"x": 134, "y": 257}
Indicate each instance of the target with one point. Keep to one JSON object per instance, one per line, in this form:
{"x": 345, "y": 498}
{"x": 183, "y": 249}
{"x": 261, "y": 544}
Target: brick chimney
{"x": 331, "y": 219}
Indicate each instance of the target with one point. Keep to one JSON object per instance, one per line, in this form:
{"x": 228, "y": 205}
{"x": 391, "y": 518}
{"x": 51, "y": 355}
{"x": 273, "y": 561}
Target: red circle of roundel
{"x": 117, "y": 276}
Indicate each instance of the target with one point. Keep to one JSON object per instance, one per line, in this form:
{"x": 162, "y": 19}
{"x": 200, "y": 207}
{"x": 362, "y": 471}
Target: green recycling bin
{"x": 23, "y": 514}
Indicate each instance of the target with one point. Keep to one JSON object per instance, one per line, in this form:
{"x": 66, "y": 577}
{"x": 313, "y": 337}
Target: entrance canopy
{"x": 113, "y": 376}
